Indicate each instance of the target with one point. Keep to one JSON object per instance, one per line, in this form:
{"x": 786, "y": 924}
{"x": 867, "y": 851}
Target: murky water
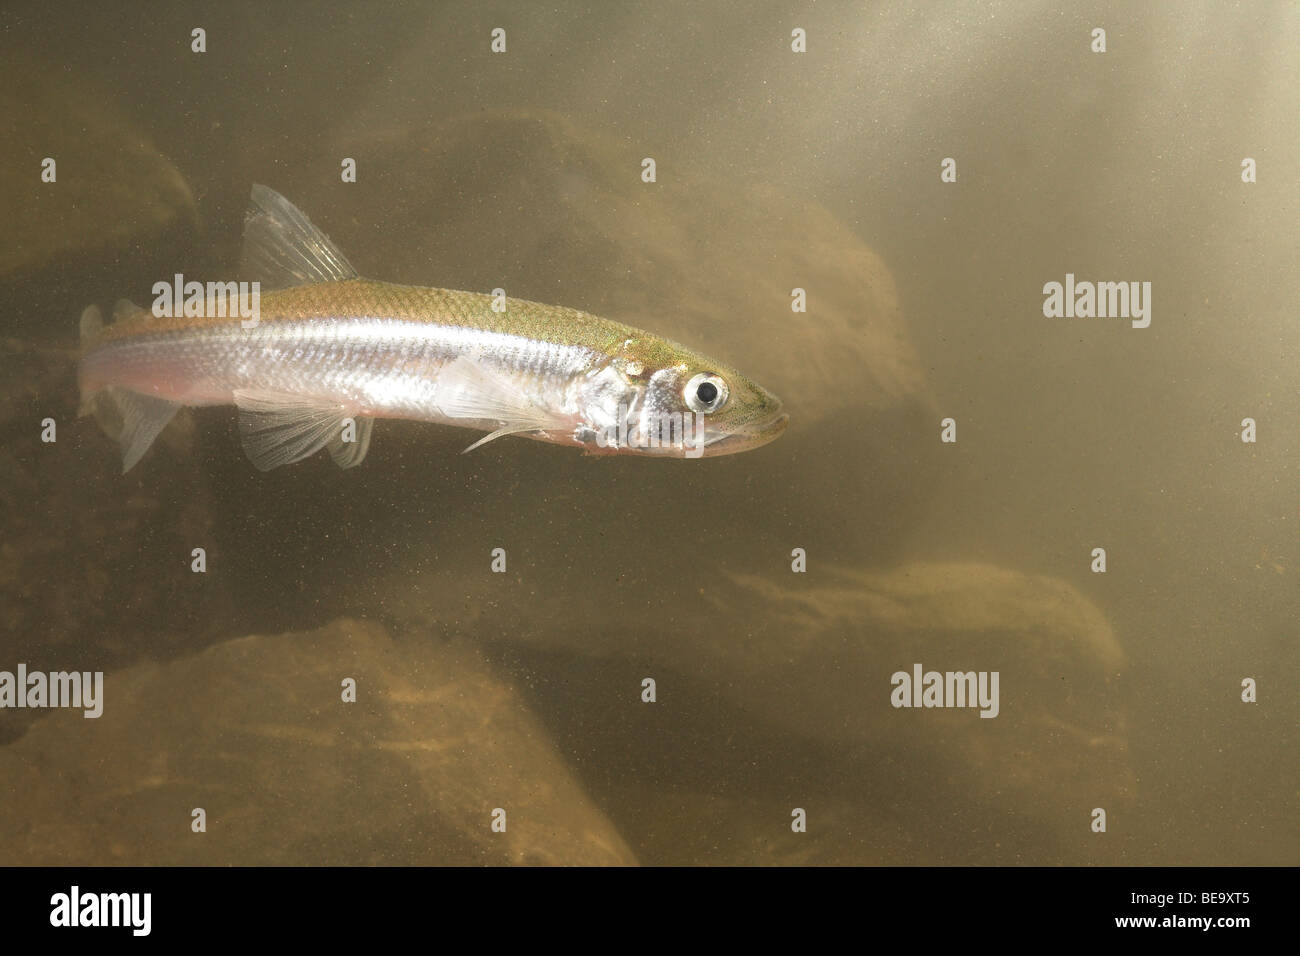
{"x": 682, "y": 661}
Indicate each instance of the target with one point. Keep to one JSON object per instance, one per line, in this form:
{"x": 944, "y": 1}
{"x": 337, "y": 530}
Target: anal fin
{"x": 134, "y": 419}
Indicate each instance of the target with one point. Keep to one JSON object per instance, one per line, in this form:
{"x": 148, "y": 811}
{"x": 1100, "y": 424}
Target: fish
{"x": 329, "y": 352}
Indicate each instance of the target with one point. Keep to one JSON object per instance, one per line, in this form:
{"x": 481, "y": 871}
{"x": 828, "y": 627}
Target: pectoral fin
{"x": 499, "y": 433}
{"x": 468, "y": 388}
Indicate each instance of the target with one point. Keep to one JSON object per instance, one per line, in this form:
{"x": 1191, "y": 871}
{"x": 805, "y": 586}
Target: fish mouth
{"x": 751, "y": 436}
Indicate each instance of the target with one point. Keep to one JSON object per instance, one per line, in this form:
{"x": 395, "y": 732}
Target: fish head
{"x": 717, "y": 410}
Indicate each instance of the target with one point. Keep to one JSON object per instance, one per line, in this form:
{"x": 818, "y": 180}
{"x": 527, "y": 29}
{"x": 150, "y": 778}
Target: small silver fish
{"x": 330, "y": 352}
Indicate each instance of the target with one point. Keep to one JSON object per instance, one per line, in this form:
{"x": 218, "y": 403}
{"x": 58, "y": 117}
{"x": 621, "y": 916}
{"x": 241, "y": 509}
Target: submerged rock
{"x": 775, "y": 693}
{"x": 96, "y": 567}
{"x": 946, "y": 785}
{"x": 255, "y": 732}
{"x": 842, "y": 635}
{"x": 112, "y": 188}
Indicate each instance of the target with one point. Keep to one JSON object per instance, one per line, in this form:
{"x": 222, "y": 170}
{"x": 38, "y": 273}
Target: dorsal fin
{"x": 282, "y": 248}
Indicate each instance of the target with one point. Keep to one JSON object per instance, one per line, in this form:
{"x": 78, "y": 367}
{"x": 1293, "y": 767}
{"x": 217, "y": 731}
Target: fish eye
{"x": 705, "y": 393}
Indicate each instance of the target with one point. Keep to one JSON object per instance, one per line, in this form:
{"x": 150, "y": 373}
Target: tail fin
{"x": 131, "y": 418}
{"x": 92, "y": 326}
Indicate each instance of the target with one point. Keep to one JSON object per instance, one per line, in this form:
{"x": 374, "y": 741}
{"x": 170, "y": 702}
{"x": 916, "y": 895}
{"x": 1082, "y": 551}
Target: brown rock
{"x": 255, "y": 732}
